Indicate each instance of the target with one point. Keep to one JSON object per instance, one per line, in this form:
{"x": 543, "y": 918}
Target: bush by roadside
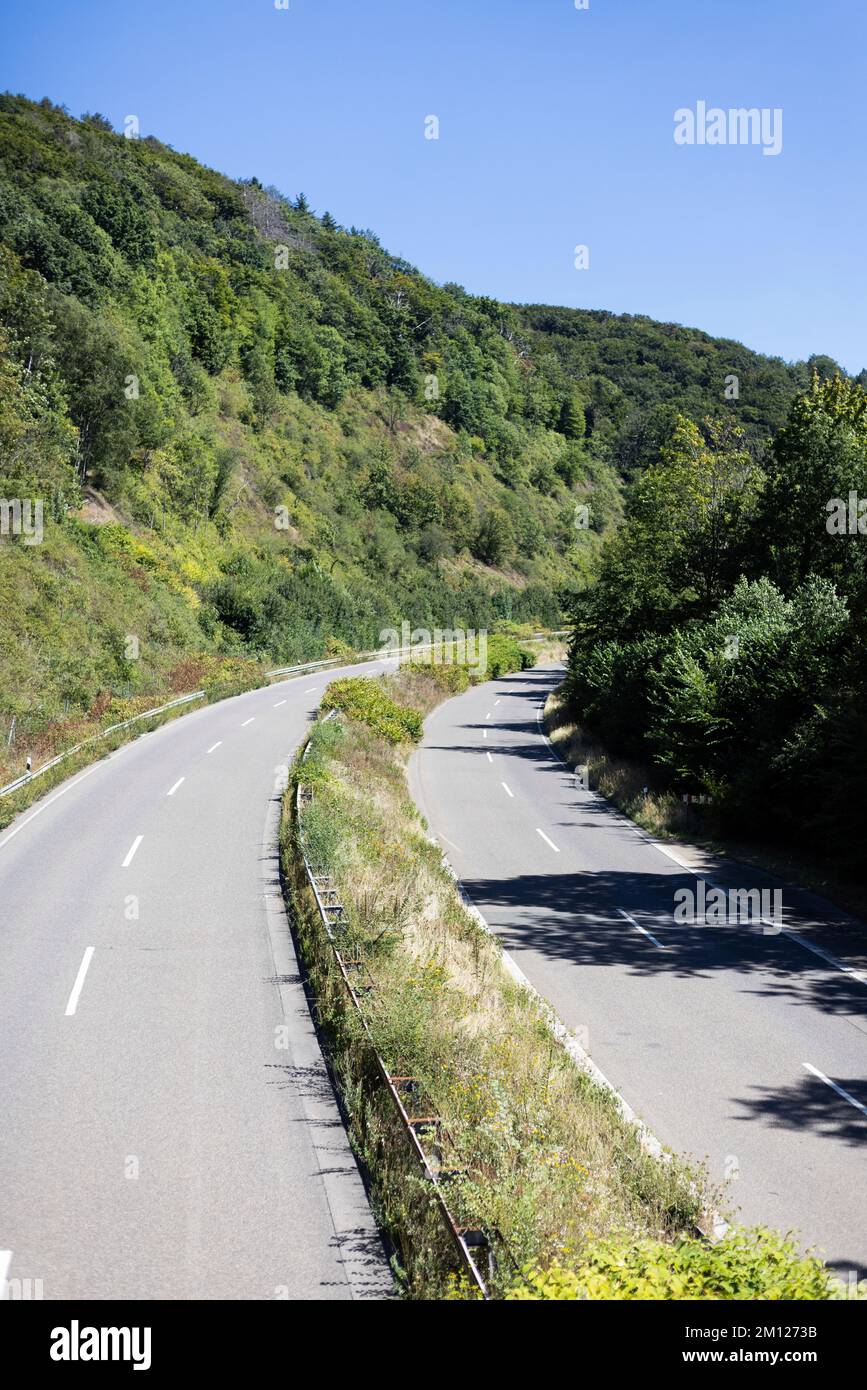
{"x": 538, "y": 1156}
{"x": 755, "y": 1264}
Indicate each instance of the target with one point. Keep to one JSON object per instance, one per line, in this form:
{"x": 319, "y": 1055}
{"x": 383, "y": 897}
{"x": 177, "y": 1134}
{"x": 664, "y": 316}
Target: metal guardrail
{"x": 103, "y": 733}
{"x": 332, "y": 914}
{"x": 380, "y": 655}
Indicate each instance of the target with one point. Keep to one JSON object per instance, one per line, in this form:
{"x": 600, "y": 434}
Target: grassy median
{"x": 536, "y": 1152}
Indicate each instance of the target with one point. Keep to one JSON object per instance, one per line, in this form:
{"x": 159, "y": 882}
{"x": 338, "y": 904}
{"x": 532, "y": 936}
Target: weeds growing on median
{"x": 531, "y": 1150}
{"x": 537, "y": 1152}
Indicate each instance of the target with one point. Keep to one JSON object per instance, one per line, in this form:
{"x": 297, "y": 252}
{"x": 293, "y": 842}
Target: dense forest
{"x": 724, "y": 642}
{"x": 256, "y": 432}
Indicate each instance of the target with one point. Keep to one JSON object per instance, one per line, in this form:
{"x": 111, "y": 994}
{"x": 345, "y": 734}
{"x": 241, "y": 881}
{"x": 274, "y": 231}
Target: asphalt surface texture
{"x": 742, "y": 1045}
{"x": 169, "y": 1129}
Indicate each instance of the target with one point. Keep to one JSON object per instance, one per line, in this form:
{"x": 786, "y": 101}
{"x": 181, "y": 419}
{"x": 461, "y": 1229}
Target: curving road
{"x": 741, "y": 1047}
{"x": 168, "y": 1127}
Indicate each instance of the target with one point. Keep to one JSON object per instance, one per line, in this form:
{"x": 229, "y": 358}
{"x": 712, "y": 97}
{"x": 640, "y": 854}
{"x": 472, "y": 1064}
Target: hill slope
{"x": 258, "y": 434}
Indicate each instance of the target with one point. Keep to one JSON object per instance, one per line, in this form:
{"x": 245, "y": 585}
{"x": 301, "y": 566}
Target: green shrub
{"x": 363, "y": 698}
{"x": 757, "y": 1264}
{"x": 452, "y": 678}
{"x": 505, "y": 655}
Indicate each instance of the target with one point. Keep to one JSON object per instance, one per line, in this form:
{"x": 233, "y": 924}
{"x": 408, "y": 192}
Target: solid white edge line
{"x": 507, "y": 789}
{"x": 218, "y": 744}
{"x": 132, "y": 849}
{"x": 795, "y": 936}
{"x": 79, "y": 981}
{"x": 173, "y": 789}
{"x": 547, "y": 841}
{"x": 387, "y": 662}
{"x": 834, "y": 1087}
{"x": 45, "y": 805}
{"x": 825, "y": 955}
{"x": 643, "y": 930}
{"x": 718, "y": 1226}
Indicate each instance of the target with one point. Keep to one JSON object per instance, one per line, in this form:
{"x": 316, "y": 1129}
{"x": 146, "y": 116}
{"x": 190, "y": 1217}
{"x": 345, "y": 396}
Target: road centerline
{"x": 643, "y": 930}
{"x": 131, "y": 852}
{"x": 72, "y": 1005}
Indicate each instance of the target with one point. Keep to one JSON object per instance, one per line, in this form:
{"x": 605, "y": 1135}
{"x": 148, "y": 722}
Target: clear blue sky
{"x": 556, "y": 129}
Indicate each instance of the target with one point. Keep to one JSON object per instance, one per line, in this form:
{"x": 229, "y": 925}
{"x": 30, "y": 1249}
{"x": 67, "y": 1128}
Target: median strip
{"x": 501, "y": 1165}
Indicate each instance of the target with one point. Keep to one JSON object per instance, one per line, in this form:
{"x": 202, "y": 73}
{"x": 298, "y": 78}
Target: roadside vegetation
{"x": 534, "y": 1151}
{"x": 258, "y": 434}
{"x": 87, "y": 740}
{"x": 721, "y": 651}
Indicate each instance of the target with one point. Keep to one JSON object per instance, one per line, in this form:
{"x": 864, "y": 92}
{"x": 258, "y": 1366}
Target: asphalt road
{"x": 168, "y": 1127}
{"x": 742, "y": 1047}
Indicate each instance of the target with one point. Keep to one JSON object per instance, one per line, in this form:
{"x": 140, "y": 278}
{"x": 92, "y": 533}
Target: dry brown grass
{"x": 623, "y": 783}
{"x": 548, "y": 1160}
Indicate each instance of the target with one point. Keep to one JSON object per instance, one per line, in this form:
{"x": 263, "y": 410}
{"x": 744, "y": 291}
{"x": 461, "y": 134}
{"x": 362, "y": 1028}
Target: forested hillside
{"x": 259, "y": 434}
{"x": 724, "y": 642}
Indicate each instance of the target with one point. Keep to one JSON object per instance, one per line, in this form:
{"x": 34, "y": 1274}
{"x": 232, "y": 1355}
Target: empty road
{"x": 168, "y": 1127}
{"x": 743, "y": 1048}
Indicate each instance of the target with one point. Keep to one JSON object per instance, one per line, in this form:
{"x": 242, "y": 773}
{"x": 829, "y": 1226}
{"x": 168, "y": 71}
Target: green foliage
{"x": 505, "y": 655}
{"x": 724, "y": 640}
{"x": 747, "y": 1264}
{"x": 365, "y": 699}
{"x": 307, "y": 439}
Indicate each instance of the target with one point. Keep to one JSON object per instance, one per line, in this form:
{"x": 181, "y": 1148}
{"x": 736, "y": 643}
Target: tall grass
{"x": 539, "y": 1154}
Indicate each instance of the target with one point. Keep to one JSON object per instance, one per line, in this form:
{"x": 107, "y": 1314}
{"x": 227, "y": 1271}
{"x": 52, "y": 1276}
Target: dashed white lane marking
{"x": 643, "y": 930}
{"x": 484, "y": 733}
{"x": 547, "y": 841}
{"x": 132, "y": 849}
{"x": 5, "y": 1261}
{"x": 79, "y": 981}
{"x": 218, "y": 744}
{"x": 248, "y": 721}
{"x": 796, "y": 936}
{"x": 488, "y": 715}
{"x": 173, "y": 789}
{"x": 814, "y": 1071}
{"x": 310, "y": 691}
{"x": 279, "y": 703}
{"x": 489, "y": 758}
{"x": 507, "y": 789}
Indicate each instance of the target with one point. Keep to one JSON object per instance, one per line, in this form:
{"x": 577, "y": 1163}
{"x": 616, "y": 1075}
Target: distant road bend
{"x": 744, "y": 1048}
{"x": 169, "y": 1129}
